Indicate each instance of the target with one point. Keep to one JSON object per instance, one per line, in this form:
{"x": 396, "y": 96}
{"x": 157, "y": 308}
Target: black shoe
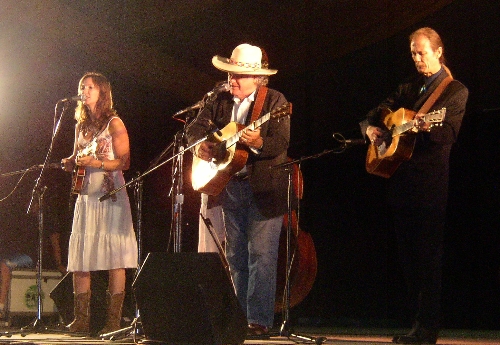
{"x": 417, "y": 336}
{"x": 255, "y": 331}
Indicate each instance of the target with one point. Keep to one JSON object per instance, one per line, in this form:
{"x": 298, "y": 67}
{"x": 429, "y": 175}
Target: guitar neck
{"x": 433, "y": 117}
{"x": 403, "y": 128}
{"x": 256, "y": 124}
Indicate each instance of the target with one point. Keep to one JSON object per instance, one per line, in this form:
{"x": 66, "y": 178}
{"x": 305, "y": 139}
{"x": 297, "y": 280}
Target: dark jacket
{"x": 269, "y": 186}
{"x": 423, "y": 180}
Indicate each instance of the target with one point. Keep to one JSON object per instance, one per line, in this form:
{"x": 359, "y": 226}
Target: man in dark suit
{"x": 418, "y": 189}
{"x": 255, "y": 198}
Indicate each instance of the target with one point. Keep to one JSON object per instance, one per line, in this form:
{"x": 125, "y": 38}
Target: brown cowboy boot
{"x": 81, "y": 322}
{"x": 114, "y": 312}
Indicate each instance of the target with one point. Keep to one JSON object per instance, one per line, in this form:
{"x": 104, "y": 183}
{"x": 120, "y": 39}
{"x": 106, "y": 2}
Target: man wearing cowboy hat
{"x": 255, "y": 199}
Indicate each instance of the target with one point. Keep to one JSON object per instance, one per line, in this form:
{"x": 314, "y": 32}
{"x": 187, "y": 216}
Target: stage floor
{"x": 302, "y": 335}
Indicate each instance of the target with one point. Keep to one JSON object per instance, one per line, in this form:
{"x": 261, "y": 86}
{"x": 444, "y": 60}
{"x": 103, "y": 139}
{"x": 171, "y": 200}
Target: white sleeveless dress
{"x": 102, "y": 236}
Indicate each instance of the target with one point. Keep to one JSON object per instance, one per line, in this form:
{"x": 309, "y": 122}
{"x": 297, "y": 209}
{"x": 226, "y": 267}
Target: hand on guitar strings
{"x": 252, "y": 138}
{"x": 420, "y": 124}
{"x": 208, "y": 150}
{"x": 205, "y": 150}
{"x": 88, "y": 161}
{"x": 375, "y": 134}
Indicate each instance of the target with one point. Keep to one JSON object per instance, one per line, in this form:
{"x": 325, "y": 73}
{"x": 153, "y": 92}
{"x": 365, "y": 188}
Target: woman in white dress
{"x": 102, "y": 236}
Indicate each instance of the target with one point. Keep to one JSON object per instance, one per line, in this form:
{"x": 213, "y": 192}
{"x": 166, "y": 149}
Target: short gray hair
{"x": 261, "y": 80}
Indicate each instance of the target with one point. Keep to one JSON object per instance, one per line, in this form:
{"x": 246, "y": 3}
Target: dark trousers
{"x": 420, "y": 234}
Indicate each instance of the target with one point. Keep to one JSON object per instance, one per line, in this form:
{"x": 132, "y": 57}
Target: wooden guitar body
{"x": 77, "y": 180}
{"x": 383, "y": 160}
{"x": 211, "y": 177}
{"x": 399, "y": 141}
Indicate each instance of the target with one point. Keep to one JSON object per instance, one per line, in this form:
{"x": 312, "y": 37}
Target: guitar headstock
{"x": 435, "y": 117}
{"x": 282, "y": 111}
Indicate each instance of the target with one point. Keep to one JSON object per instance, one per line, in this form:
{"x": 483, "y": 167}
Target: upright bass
{"x": 304, "y": 264}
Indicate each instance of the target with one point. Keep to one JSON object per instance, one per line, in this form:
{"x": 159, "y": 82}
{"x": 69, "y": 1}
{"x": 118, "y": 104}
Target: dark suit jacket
{"x": 423, "y": 180}
{"x": 269, "y": 186}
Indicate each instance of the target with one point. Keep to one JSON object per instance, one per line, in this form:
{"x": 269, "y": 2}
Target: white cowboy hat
{"x": 245, "y": 59}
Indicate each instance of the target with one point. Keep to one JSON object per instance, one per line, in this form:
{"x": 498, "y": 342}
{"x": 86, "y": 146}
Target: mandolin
{"x": 78, "y": 174}
{"x": 304, "y": 264}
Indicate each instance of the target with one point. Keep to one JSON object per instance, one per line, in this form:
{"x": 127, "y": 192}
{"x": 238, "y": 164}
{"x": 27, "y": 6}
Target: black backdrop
{"x": 358, "y": 280}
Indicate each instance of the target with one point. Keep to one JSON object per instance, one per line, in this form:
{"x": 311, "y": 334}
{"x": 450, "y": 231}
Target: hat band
{"x": 255, "y": 65}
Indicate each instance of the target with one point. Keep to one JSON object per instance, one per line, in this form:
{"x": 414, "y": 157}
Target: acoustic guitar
{"x": 78, "y": 174}
{"x": 211, "y": 177}
{"x": 398, "y": 140}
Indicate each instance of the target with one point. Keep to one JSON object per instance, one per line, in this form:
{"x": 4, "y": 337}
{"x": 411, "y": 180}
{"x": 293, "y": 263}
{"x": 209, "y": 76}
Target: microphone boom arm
{"x": 114, "y": 191}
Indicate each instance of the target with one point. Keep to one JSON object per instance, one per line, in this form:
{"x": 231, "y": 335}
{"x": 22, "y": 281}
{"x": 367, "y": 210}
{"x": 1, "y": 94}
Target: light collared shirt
{"x": 241, "y": 107}
{"x": 239, "y": 115}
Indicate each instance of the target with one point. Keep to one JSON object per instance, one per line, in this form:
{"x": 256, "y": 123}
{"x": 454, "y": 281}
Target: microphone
{"x": 209, "y": 95}
{"x": 192, "y": 107}
{"x": 340, "y": 138}
{"x": 74, "y": 98}
{"x": 355, "y": 141}
{"x": 218, "y": 89}
{"x": 49, "y": 166}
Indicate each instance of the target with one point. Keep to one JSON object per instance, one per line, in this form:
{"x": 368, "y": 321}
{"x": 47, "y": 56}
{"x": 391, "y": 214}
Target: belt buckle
{"x": 240, "y": 177}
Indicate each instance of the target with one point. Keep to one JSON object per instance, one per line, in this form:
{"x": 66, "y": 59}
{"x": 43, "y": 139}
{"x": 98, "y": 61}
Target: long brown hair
{"x": 104, "y": 106}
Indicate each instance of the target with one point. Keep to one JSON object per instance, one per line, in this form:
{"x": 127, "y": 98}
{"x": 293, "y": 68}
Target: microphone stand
{"x": 178, "y": 188}
{"x": 178, "y": 199}
{"x": 150, "y": 170}
{"x": 288, "y": 166}
{"x": 135, "y": 326}
{"x": 138, "y": 181}
{"x": 285, "y": 326}
{"x": 178, "y": 167}
{"x": 220, "y": 250}
{"x": 37, "y": 324}
{"x": 178, "y": 178}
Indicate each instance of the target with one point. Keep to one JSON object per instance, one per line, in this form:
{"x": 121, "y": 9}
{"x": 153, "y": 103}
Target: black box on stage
{"x": 188, "y": 298}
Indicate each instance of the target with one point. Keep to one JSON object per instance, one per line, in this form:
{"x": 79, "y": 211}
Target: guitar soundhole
{"x": 382, "y": 149}
{"x": 220, "y": 152}
{"x": 386, "y": 143}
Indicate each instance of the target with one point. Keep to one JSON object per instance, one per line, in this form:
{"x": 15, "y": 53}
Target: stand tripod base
{"x": 133, "y": 330}
{"x": 36, "y": 326}
{"x": 152, "y": 342}
{"x": 284, "y": 332}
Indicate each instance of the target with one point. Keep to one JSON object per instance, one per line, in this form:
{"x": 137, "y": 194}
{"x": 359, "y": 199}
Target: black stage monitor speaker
{"x": 188, "y": 298}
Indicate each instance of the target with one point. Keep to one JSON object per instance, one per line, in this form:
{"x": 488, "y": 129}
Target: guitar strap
{"x": 435, "y": 95}
{"x": 259, "y": 103}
